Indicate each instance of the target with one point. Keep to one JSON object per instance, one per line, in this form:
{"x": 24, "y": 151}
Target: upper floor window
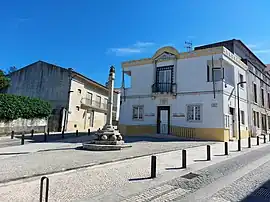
{"x": 89, "y": 97}
{"x": 262, "y": 96}
{"x": 215, "y": 74}
{"x": 255, "y": 92}
{"x": 268, "y": 99}
{"x": 241, "y": 79}
{"x": 194, "y": 112}
{"x": 164, "y": 74}
{"x": 98, "y": 100}
{"x": 137, "y": 112}
{"x": 242, "y": 117}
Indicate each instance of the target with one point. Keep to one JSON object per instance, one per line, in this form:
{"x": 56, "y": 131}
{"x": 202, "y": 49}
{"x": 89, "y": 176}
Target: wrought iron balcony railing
{"x": 164, "y": 88}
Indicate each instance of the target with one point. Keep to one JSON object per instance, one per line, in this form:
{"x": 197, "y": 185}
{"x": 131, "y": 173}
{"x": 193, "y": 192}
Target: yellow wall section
{"x": 218, "y": 134}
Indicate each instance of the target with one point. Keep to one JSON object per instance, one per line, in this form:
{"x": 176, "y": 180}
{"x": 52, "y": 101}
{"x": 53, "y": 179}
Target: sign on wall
{"x": 178, "y": 115}
{"x": 149, "y": 114}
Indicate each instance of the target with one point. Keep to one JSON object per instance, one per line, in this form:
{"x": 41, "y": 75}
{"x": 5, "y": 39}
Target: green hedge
{"x": 14, "y": 107}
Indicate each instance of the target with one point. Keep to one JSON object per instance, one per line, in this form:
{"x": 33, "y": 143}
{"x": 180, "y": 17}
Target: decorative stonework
{"x": 108, "y": 138}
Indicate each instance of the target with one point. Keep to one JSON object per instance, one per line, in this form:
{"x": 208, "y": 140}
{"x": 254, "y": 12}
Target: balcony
{"x": 169, "y": 88}
{"x": 99, "y": 106}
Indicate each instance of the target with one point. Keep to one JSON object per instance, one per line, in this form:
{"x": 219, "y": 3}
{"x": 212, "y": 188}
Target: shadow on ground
{"x": 261, "y": 194}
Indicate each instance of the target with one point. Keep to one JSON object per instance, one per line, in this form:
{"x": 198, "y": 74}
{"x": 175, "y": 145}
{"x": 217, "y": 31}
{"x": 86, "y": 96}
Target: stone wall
{"x": 22, "y": 125}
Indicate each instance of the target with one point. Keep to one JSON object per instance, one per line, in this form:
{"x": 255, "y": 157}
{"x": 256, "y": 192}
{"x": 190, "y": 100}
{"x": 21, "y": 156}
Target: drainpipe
{"x": 69, "y": 91}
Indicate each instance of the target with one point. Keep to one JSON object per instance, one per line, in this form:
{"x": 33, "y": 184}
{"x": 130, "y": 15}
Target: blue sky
{"x": 90, "y": 36}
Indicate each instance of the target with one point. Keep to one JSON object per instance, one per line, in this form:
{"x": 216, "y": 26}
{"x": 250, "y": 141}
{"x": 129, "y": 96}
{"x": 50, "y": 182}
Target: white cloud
{"x": 262, "y": 51}
{"x": 136, "y": 48}
{"x": 252, "y": 45}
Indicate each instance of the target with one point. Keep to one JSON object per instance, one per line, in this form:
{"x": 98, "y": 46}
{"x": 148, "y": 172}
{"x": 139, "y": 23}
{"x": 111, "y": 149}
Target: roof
{"x": 67, "y": 69}
{"x": 230, "y": 41}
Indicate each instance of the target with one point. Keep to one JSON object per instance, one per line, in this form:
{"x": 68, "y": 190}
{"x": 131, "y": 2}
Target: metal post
{"x": 238, "y": 113}
{"x": 258, "y": 140}
{"x": 269, "y": 137}
{"x": 12, "y": 134}
{"x": 32, "y": 133}
{"x": 45, "y": 137}
{"x": 22, "y": 140}
{"x": 88, "y": 131}
{"x": 41, "y": 189}
{"x": 249, "y": 142}
{"x": 264, "y": 138}
{"x": 77, "y": 133}
{"x": 63, "y": 134}
{"x": 48, "y": 131}
{"x": 208, "y": 153}
{"x": 184, "y": 158}
{"x": 153, "y": 167}
{"x": 226, "y": 148}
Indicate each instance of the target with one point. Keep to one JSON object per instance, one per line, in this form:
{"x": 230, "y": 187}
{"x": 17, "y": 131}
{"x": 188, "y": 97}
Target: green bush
{"x": 14, "y": 107}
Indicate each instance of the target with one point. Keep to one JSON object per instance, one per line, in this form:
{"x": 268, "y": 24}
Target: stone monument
{"x": 108, "y": 138}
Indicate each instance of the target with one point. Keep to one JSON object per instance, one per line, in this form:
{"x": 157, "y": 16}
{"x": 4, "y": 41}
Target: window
{"x": 262, "y": 96}
{"x": 105, "y": 103}
{"x": 255, "y": 92}
{"x": 137, "y": 113}
{"x": 78, "y": 108}
{"x": 254, "y": 118}
{"x": 241, "y": 79}
{"x": 268, "y": 122}
{"x": 268, "y": 99}
{"x": 194, "y": 112}
{"x": 242, "y": 117}
{"x": 89, "y": 97}
{"x": 263, "y": 118}
{"x": 227, "y": 122}
{"x": 258, "y": 119}
{"x": 217, "y": 75}
{"x": 98, "y": 99}
{"x": 79, "y": 91}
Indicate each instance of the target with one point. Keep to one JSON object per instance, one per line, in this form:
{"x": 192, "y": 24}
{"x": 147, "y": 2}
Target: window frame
{"x": 255, "y": 97}
{"x": 194, "y": 112}
{"x": 138, "y": 107}
{"x": 241, "y": 79}
{"x": 242, "y": 116}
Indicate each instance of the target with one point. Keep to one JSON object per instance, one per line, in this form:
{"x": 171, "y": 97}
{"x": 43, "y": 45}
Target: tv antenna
{"x": 188, "y": 45}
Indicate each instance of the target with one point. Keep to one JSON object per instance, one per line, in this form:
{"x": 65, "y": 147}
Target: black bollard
{"x": 239, "y": 145}
{"x": 264, "y": 138}
{"x": 258, "y": 140}
{"x": 153, "y": 166}
{"x": 269, "y": 137}
{"x": 46, "y": 187}
{"x": 88, "y": 131}
{"x": 77, "y": 133}
{"x": 48, "y": 131}
{"x": 249, "y": 142}
{"x": 32, "y": 133}
{"x": 45, "y": 137}
{"x": 184, "y": 158}
{"x": 22, "y": 140}
{"x": 12, "y": 134}
{"x": 208, "y": 153}
{"x": 63, "y": 134}
{"x": 226, "y": 148}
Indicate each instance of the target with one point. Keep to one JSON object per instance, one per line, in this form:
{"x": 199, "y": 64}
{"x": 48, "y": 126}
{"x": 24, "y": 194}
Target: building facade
{"x": 258, "y": 85}
{"x": 78, "y": 102}
{"x": 189, "y": 94}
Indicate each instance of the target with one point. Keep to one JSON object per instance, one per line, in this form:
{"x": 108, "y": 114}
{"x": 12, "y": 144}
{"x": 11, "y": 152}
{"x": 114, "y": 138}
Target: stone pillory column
{"x": 108, "y": 138}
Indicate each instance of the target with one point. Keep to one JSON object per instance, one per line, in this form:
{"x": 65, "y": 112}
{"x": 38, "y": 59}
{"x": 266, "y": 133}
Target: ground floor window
{"x": 256, "y": 119}
{"x": 137, "y": 112}
{"x": 194, "y": 112}
{"x": 242, "y": 117}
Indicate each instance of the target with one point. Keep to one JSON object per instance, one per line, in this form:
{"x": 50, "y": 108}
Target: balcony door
{"x": 164, "y": 79}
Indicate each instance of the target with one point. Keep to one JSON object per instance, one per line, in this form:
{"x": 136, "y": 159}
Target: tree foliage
{"x": 13, "y": 107}
{"x": 4, "y": 81}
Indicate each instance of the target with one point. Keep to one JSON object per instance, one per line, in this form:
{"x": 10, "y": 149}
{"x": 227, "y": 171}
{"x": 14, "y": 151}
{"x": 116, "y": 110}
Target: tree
{"x": 4, "y": 81}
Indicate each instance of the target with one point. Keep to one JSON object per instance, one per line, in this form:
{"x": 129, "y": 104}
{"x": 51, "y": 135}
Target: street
{"x": 77, "y": 175}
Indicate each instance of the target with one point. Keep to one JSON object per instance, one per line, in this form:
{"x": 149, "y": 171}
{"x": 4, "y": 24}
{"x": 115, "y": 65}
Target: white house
{"x": 173, "y": 93}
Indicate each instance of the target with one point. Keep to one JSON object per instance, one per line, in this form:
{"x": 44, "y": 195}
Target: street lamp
{"x": 239, "y": 126}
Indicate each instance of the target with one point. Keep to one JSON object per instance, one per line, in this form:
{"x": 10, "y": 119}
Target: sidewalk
{"x": 121, "y": 180}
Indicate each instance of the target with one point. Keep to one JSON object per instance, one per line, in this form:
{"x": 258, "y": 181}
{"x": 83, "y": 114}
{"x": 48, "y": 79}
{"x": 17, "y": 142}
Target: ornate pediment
{"x": 165, "y": 53}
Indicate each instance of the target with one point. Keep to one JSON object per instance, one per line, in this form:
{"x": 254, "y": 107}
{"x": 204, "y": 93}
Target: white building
{"x": 174, "y": 93}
